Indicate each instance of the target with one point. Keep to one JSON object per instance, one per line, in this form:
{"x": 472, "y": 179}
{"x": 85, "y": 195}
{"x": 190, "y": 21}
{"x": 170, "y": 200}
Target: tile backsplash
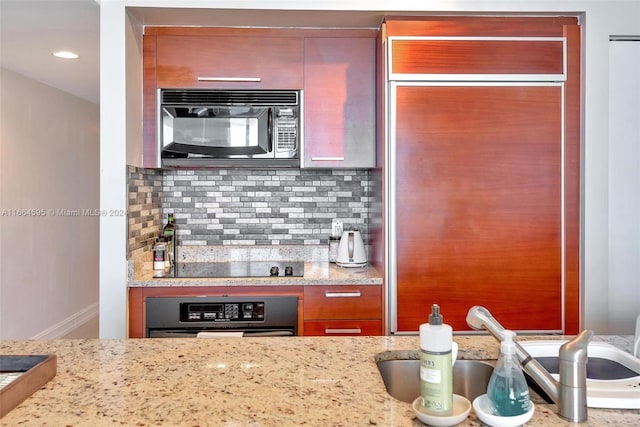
{"x": 265, "y": 206}
{"x": 144, "y": 207}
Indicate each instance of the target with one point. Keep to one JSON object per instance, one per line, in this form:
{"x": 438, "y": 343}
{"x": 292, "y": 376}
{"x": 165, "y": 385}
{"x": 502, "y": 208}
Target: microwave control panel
{"x": 222, "y": 312}
{"x": 286, "y": 129}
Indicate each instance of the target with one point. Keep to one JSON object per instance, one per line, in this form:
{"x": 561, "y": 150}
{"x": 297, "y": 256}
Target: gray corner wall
{"x": 49, "y": 185}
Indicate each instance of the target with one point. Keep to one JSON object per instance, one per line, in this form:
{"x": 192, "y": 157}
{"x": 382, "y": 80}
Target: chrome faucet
{"x": 570, "y": 392}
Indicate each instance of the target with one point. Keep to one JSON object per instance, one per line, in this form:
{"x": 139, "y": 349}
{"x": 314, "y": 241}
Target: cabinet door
{"x": 458, "y": 58}
{"x": 233, "y": 62}
{"x": 479, "y": 187}
{"x": 339, "y": 102}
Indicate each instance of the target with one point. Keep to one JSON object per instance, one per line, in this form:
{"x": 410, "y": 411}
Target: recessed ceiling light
{"x": 65, "y": 54}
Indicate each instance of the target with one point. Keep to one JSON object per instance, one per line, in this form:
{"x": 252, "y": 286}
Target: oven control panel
{"x": 222, "y": 312}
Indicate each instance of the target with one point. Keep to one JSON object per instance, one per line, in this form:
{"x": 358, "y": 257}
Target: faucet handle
{"x": 572, "y": 387}
{"x": 575, "y": 351}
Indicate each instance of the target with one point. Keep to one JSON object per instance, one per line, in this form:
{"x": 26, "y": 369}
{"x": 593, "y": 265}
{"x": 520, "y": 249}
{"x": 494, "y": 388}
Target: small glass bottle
{"x": 159, "y": 254}
{"x": 508, "y": 391}
{"x": 334, "y": 244}
{"x": 169, "y": 235}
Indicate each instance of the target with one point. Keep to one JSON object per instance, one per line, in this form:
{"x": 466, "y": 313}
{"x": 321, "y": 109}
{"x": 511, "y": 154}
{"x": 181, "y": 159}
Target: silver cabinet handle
{"x": 343, "y": 331}
{"x": 229, "y": 79}
{"x": 327, "y": 159}
{"x": 329, "y": 294}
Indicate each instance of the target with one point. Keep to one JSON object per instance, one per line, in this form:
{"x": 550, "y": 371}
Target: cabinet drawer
{"x": 229, "y": 62}
{"x": 342, "y": 302}
{"x": 473, "y": 58}
{"x": 342, "y": 327}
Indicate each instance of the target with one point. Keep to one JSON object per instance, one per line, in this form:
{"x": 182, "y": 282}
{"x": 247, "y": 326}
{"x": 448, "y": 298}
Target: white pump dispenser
{"x": 507, "y": 390}
{"x": 436, "y": 374}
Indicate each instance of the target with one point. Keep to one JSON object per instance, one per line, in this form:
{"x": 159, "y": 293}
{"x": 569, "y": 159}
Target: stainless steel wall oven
{"x": 179, "y": 317}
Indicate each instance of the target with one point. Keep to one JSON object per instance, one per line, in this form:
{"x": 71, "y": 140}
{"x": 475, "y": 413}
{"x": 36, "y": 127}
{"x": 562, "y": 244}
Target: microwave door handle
{"x": 270, "y": 130}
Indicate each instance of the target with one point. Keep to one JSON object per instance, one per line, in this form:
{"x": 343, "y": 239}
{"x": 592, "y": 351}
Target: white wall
{"x": 603, "y": 18}
{"x": 624, "y": 186}
{"x": 48, "y": 164}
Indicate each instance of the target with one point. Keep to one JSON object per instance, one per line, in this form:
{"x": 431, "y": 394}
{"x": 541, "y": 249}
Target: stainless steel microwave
{"x": 229, "y": 128}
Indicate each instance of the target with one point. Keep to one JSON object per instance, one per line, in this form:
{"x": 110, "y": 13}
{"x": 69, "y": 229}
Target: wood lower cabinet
{"x": 322, "y": 310}
{"x": 343, "y": 310}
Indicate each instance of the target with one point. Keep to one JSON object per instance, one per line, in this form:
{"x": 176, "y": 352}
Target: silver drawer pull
{"x": 329, "y": 294}
{"x": 343, "y": 331}
{"x": 229, "y": 79}
{"x": 327, "y": 159}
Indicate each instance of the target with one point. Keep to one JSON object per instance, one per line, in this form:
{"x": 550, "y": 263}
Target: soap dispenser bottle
{"x": 507, "y": 390}
{"x": 436, "y": 372}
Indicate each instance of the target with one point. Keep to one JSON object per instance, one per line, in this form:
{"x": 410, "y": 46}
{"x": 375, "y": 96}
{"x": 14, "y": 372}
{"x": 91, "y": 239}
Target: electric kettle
{"x": 351, "y": 251}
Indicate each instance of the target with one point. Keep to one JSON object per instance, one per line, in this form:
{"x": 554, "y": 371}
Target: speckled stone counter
{"x": 315, "y": 273}
{"x": 315, "y": 381}
{"x": 317, "y": 270}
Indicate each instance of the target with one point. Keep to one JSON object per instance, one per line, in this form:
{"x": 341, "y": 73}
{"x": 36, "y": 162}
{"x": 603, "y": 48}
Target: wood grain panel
{"x": 477, "y": 26}
{"x": 476, "y": 57}
{"x": 136, "y": 313}
{"x": 479, "y": 204}
{"x": 343, "y": 328}
{"x": 573, "y": 298}
{"x": 276, "y": 60}
{"x": 149, "y": 95}
{"x": 317, "y": 305}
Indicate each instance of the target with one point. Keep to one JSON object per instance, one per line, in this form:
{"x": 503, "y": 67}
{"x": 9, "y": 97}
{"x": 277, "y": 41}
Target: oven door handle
{"x": 220, "y": 334}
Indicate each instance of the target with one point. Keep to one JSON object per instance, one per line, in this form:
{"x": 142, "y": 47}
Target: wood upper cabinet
{"x": 339, "y": 102}
{"x": 343, "y": 310}
{"x": 229, "y": 62}
{"x": 336, "y": 69}
{"x": 214, "y": 58}
{"x": 485, "y": 171}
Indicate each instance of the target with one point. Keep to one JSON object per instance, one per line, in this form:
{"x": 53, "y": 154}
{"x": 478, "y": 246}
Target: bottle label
{"x": 436, "y": 382}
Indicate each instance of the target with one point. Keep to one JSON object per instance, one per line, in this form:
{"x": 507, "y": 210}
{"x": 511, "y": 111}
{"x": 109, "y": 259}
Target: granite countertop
{"x": 316, "y": 381}
{"x": 317, "y": 270}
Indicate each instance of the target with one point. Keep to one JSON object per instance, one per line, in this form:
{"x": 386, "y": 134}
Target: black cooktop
{"x": 236, "y": 269}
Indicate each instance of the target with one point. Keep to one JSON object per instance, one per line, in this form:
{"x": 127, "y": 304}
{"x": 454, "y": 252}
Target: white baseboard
{"x": 63, "y": 328}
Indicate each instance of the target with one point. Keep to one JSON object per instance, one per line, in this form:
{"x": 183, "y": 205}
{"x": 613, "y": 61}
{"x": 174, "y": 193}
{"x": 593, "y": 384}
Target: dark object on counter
{"x": 34, "y": 371}
{"x": 169, "y": 235}
{"x": 236, "y": 269}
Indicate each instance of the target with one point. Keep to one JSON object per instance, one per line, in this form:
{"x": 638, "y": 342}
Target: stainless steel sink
{"x": 613, "y": 376}
{"x": 401, "y": 378}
